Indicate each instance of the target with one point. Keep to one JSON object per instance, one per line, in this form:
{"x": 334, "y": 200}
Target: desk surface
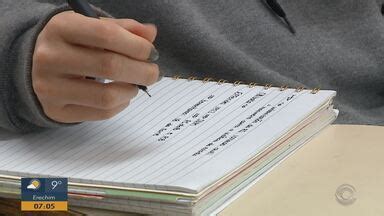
{"x": 306, "y": 183}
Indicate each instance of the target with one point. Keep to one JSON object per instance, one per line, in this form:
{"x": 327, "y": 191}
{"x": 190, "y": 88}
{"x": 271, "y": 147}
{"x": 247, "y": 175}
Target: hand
{"x": 72, "y": 47}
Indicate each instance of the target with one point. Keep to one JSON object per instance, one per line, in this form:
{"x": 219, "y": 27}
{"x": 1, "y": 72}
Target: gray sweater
{"x": 339, "y": 45}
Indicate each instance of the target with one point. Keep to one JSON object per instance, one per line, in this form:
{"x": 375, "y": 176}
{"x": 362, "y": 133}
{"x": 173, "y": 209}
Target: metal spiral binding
{"x": 299, "y": 89}
{"x": 238, "y": 82}
{"x": 176, "y": 77}
{"x": 267, "y": 86}
{"x": 207, "y": 79}
{"x": 250, "y": 85}
{"x": 315, "y": 90}
{"x": 283, "y": 88}
{"x": 192, "y": 78}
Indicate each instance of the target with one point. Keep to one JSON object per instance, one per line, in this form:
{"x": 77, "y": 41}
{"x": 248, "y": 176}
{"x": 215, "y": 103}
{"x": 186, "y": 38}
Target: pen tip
{"x": 145, "y": 89}
{"x": 147, "y": 93}
{"x": 290, "y": 27}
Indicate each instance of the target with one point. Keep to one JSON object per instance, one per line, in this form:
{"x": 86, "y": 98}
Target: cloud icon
{"x": 34, "y": 184}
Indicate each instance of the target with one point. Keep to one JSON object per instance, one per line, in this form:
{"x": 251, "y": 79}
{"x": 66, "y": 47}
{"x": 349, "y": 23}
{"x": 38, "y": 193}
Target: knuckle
{"x": 56, "y": 22}
{"x": 109, "y": 98}
{"x": 59, "y": 21}
{"x": 49, "y": 112}
{"x": 41, "y": 88}
{"x": 42, "y": 55}
{"x": 53, "y": 113}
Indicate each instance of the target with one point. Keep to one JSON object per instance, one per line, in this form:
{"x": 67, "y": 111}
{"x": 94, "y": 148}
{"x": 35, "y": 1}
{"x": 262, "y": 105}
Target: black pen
{"x": 278, "y": 10}
{"x": 82, "y": 7}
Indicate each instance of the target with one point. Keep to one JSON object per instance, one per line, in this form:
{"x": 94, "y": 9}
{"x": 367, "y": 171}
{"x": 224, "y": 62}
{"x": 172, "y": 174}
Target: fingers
{"x": 147, "y": 31}
{"x": 71, "y": 47}
{"x": 77, "y": 60}
{"x": 75, "y": 113}
{"x": 83, "y": 92}
{"x": 83, "y": 100}
{"x": 101, "y": 34}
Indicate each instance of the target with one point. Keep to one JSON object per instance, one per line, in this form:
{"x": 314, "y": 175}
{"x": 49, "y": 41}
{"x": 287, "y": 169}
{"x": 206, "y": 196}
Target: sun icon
{"x": 34, "y": 184}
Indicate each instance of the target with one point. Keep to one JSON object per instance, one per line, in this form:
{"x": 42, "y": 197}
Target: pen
{"x": 278, "y": 10}
{"x": 82, "y": 7}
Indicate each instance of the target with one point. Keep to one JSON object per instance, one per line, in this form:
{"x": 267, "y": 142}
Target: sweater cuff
{"x": 29, "y": 107}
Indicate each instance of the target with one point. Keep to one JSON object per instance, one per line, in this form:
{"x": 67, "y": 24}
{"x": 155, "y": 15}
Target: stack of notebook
{"x": 184, "y": 151}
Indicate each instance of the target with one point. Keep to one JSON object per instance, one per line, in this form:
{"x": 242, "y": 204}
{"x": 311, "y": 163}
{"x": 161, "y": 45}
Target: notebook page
{"x": 188, "y": 135}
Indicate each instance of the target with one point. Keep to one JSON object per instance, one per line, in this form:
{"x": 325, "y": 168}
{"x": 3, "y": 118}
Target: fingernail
{"x": 151, "y": 24}
{"x": 154, "y": 55}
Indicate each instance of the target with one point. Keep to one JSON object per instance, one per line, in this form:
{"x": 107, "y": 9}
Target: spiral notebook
{"x": 193, "y": 139}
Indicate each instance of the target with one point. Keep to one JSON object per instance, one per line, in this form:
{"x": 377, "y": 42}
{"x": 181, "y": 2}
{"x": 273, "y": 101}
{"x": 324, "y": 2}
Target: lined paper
{"x": 187, "y": 135}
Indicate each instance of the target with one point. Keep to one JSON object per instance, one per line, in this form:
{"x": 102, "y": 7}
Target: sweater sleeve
{"x": 20, "y": 25}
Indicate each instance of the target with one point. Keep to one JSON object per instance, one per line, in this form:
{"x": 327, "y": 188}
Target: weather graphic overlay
{"x": 44, "y": 194}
